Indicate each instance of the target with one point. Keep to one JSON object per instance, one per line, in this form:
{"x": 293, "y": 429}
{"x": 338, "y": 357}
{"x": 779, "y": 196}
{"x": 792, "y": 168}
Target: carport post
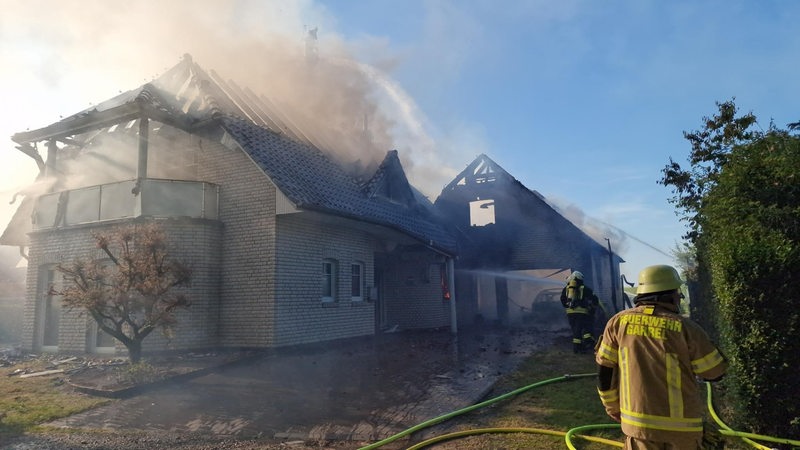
{"x": 451, "y": 285}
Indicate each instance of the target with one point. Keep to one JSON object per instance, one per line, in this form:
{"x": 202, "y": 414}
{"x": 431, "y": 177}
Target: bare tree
{"x": 130, "y": 293}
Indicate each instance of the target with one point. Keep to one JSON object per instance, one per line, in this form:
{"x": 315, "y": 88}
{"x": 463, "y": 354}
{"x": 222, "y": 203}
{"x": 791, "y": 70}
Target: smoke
{"x": 533, "y": 296}
{"x": 288, "y": 52}
{"x": 598, "y": 230}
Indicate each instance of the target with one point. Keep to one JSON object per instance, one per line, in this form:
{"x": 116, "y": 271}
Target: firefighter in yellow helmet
{"x": 649, "y": 359}
{"x": 581, "y": 303}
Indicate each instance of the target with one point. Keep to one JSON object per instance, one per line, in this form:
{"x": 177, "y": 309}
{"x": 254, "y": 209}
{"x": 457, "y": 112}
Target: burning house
{"x": 515, "y": 250}
{"x": 286, "y": 246}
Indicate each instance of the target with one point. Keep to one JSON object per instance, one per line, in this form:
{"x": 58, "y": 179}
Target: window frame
{"x": 95, "y": 334}
{"x": 329, "y": 280}
{"x": 360, "y": 283}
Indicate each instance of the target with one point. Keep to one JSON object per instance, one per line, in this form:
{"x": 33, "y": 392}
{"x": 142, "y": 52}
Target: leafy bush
{"x": 752, "y": 228}
{"x": 138, "y": 373}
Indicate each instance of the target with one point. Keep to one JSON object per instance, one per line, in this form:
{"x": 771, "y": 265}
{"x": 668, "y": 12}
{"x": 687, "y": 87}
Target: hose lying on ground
{"x": 444, "y": 417}
{"x": 746, "y": 437}
{"x": 460, "y": 434}
{"x": 568, "y": 435}
{"x": 726, "y": 430}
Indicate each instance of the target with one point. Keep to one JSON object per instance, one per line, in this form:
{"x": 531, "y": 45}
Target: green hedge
{"x": 752, "y": 236}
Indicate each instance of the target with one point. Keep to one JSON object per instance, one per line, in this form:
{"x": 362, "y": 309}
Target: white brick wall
{"x": 304, "y": 241}
{"x": 194, "y": 242}
{"x": 414, "y": 299}
{"x": 247, "y": 210}
{"x": 257, "y": 277}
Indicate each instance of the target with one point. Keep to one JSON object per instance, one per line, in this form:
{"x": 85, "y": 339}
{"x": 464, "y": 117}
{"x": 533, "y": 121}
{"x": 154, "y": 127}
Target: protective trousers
{"x": 581, "y": 326}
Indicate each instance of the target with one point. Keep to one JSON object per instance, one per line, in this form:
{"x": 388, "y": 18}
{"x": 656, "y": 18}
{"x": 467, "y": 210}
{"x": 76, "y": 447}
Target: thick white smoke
{"x": 85, "y": 52}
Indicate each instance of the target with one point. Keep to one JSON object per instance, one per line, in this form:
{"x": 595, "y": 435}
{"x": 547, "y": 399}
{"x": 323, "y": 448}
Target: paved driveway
{"x": 361, "y": 389}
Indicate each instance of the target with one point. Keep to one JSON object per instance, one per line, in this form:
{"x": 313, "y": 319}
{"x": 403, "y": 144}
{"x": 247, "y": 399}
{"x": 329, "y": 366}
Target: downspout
{"x": 451, "y": 282}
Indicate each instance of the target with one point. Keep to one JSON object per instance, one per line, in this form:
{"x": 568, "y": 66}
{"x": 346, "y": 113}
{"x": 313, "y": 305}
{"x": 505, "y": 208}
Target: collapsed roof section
{"x": 188, "y": 98}
{"x": 185, "y": 96}
{"x": 503, "y": 224}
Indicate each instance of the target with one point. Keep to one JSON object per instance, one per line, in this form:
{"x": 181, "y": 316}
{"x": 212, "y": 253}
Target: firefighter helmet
{"x": 575, "y": 276}
{"x": 658, "y": 278}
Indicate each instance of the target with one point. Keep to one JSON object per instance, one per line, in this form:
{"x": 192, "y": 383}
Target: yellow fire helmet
{"x": 658, "y": 278}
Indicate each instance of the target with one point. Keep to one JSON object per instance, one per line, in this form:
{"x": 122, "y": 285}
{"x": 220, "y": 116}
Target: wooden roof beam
{"x": 31, "y": 150}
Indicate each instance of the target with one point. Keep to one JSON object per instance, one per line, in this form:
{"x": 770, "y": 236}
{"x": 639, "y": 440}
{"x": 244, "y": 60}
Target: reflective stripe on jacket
{"x": 656, "y": 354}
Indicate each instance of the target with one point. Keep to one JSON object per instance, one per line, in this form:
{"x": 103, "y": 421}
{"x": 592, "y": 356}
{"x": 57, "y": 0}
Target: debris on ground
{"x": 107, "y": 373}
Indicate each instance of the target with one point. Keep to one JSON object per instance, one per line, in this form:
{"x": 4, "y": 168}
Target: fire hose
{"x": 567, "y": 435}
{"x": 746, "y": 437}
{"x": 749, "y": 438}
{"x": 450, "y": 415}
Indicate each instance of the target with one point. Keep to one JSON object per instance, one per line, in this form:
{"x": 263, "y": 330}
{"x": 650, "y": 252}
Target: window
{"x": 97, "y": 340}
{"x": 357, "y": 282}
{"x": 100, "y": 342}
{"x": 329, "y": 280}
{"x": 481, "y": 212}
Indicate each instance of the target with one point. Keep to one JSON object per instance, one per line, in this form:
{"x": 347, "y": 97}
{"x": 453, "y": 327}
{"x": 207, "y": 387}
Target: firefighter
{"x": 649, "y": 358}
{"x": 580, "y": 302}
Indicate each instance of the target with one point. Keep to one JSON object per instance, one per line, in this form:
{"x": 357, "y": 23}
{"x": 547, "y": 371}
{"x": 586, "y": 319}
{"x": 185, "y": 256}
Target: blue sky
{"x": 582, "y": 101}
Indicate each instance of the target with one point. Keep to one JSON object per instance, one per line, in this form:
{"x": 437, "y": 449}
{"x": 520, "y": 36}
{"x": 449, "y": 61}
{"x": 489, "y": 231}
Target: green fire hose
{"x": 460, "y": 434}
{"x": 447, "y": 416}
{"x": 746, "y": 437}
{"x": 749, "y": 438}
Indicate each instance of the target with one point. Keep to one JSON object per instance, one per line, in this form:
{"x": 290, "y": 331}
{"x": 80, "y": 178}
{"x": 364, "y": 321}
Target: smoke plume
{"x": 288, "y": 52}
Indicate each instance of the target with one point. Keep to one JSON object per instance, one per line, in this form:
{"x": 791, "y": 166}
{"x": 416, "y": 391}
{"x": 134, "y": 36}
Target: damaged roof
{"x": 527, "y": 230}
{"x": 313, "y": 182}
{"x": 185, "y": 96}
{"x": 191, "y": 99}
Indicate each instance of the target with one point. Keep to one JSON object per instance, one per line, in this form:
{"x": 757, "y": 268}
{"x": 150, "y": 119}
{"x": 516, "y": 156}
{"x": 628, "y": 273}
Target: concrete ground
{"x": 362, "y": 389}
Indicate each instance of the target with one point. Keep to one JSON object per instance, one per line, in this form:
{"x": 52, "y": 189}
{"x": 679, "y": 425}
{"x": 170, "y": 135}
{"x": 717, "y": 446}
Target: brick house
{"x": 287, "y": 247}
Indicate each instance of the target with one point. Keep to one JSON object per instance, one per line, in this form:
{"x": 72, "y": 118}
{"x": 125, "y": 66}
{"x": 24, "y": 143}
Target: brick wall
{"x": 413, "y": 291}
{"x": 191, "y": 241}
{"x": 247, "y": 210}
{"x": 301, "y": 315}
{"x": 251, "y": 289}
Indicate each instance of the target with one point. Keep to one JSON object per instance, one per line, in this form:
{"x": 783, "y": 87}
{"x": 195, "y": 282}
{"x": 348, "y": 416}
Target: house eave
{"x": 95, "y": 120}
{"x": 433, "y": 245}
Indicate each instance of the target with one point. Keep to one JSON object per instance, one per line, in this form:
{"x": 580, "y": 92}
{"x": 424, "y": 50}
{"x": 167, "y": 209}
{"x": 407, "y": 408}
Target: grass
{"x": 27, "y": 402}
{"x": 558, "y": 406}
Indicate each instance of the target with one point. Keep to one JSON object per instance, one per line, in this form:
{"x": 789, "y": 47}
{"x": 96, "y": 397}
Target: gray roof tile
{"x": 312, "y": 181}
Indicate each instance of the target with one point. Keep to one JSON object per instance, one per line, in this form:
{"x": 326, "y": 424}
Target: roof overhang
{"x": 94, "y": 120}
{"x": 381, "y": 231}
